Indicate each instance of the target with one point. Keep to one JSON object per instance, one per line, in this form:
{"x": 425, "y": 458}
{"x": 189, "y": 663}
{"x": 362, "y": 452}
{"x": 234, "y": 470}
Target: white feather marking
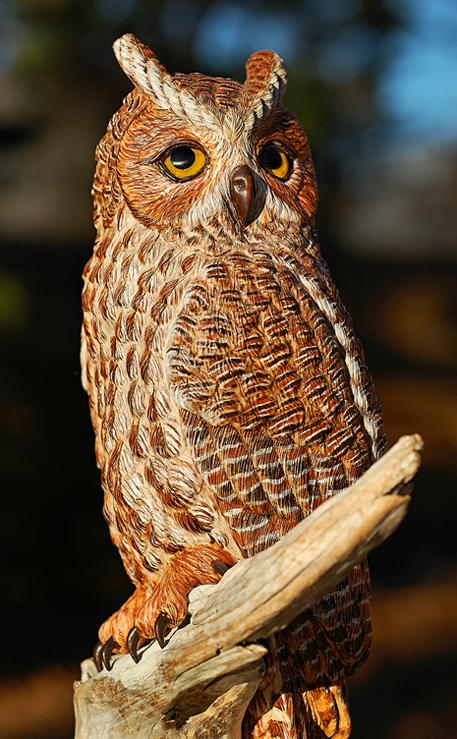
{"x": 353, "y": 366}
{"x": 132, "y": 61}
{"x": 155, "y": 78}
{"x": 233, "y": 125}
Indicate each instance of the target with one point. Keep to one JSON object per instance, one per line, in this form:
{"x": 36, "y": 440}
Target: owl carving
{"x": 228, "y": 392}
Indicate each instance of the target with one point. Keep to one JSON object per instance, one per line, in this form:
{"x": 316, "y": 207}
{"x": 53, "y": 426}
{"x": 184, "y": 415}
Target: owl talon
{"x": 159, "y": 629}
{"x": 133, "y": 640}
{"x": 107, "y": 651}
{"x": 220, "y": 568}
{"x": 97, "y": 656}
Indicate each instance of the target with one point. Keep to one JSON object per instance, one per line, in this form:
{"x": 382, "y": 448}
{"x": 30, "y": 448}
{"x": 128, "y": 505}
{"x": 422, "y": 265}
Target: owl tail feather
{"x": 322, "y": 713}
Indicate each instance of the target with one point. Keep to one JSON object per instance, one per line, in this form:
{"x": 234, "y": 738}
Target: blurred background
{"x": 374, "y": 84}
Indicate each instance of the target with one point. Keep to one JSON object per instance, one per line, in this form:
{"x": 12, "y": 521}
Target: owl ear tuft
{"x": 264, "y": 68}
{"x": 139, "y": 63}
{"x": 266, "y": 80}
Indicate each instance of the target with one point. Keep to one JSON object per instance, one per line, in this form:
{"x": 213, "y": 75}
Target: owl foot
{"x": 102, "y": 652}
{"x": 166, "y": 607}
{"x": 144, "y": 618}
{"x": 115, "y": 633}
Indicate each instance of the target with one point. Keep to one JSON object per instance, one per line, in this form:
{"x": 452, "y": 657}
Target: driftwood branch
{"x": 201, "y": 683}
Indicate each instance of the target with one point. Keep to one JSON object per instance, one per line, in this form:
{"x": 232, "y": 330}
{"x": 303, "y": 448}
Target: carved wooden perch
{"x": 201, "y": 683}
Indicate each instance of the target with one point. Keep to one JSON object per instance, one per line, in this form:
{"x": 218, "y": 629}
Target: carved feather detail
{"x": 228, "y": 392}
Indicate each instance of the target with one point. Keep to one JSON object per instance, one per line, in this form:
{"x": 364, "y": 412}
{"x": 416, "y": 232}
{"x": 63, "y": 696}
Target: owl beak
{"x": 243, "y": 191}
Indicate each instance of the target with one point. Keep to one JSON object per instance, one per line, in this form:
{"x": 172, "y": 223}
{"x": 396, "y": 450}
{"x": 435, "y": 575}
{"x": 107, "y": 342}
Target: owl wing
{"x": 265, "y": 396}
{"x": 269, "y": 414}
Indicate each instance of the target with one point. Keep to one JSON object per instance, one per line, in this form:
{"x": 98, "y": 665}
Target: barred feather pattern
{"x": 229, "y": 397}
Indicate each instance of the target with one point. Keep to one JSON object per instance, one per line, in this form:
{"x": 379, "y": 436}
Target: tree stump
{"x": 201, "y": 683}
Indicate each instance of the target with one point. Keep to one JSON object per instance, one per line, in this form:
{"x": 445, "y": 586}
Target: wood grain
{"x": 200, "y": 684}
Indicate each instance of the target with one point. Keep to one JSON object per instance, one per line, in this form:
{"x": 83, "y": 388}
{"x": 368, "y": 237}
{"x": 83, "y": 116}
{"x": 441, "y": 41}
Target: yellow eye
{"x": 274, "y": 160}
{"x": 184, "y": 161}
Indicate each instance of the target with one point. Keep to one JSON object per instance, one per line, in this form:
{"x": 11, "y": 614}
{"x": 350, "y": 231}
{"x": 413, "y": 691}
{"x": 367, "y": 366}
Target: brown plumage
{"x": 228, "y": 392}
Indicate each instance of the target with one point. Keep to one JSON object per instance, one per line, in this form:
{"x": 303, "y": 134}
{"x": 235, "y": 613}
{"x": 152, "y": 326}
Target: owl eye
{"x": 184, "y": 161}
{"x": 275, "y": 160}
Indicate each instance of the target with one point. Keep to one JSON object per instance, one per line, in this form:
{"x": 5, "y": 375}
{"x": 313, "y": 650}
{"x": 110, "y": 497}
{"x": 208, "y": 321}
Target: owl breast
{"x": 231, "y": 366}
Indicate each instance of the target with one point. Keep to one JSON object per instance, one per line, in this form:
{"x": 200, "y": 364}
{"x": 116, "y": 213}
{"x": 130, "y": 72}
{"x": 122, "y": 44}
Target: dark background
{"x": 370, "y": 81}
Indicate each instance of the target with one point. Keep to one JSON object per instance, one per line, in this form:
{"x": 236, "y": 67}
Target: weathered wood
{"x": 200, "y": 684}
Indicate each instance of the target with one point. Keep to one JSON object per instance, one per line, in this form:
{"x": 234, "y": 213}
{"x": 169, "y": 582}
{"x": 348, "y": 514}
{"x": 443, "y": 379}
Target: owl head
{"x": 187, "y": 149}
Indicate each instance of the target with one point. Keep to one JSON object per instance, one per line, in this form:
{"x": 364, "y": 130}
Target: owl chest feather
{"x": 221, "y": 396}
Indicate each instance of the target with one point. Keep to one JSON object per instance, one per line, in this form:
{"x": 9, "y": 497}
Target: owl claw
{"x": 220, "y": 568}
{"x": 107, "y": 651}
{"x": 132, "y": 642}
{"x": 159, "y": 629}
{"x": 97, "y": 656}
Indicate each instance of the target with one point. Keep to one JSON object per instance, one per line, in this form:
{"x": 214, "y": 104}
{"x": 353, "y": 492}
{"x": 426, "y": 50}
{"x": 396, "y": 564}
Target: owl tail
{"x": 287, "y": 705}
{"x": 321, "y": 713}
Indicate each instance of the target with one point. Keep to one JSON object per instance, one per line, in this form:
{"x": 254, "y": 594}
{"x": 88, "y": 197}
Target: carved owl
{"x": 228, "y": 392}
